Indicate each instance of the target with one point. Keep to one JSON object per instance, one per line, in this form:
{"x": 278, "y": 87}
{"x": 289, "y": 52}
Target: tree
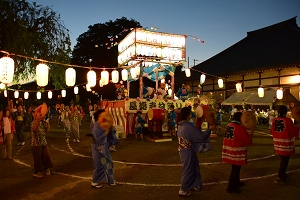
{"x": 99, "y": 43}
{"x": 35, "y": 32}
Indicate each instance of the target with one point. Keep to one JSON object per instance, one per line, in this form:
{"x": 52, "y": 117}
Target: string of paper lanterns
{"x": 42, "y": 73}
{"x": 260, "y": 91}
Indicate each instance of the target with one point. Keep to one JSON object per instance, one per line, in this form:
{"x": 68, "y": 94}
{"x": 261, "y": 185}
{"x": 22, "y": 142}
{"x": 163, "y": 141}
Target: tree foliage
{"x": 103, "y": 35}
{"x": 36, "y": 32}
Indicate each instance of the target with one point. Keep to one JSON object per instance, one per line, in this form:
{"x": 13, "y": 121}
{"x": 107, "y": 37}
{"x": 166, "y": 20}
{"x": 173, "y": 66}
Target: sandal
{"x": 98, "y": 186}
{"x": 196, "y": 189}
{"x": 187, "y": 194}
{"x": 112, "y": 184}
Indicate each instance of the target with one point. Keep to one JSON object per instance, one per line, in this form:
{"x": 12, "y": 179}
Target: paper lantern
{"x": 138, "y": 70}
{"x": 170, "y": 91}
{"x": 133, "y": 73}
{"x": 279, "y": 93}
{"x": 2, "y": 86}
{"x": 7, "y": 69}
{"x": 26, "y": 95}
{"x": 49, "y": 94}
{"x": 162, "y": 80}
{"x": 63, "y": 93}
{"x": 187, "y": 72}
{"x": 91, "y": 78}
{"x": 38, "y": 95}
{"x": 88, "y": 87}
{"x": 114, "y": 76}
{"x": 16, "y": 94}
{"x": 220, "y": 83}
{"x": 261, "y": 92}
{"x": 75, "y": 90}
{"x": 100, "y": 83}
{"x": 238, "y": 87}
{"x": 124, "y": 74}
{"x": 105, "y": 77}
{"x": 5, "y": 93}
{"x": 202, "y": 78}
{"x": 42, "y": 72}
{"x": 70, "y": 77}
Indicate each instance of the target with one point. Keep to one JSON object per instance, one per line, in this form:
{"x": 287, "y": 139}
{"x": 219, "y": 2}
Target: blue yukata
{"x": 103, "y": 162}
{"x": 182, "y": 94}
{"x": 190, "y": 139}
{"x": 139, "y": 125}
{"x": 172, "y": 117}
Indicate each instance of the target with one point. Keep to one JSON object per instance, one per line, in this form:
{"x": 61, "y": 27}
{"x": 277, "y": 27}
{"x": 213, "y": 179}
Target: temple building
{"x": 268, "y": 57}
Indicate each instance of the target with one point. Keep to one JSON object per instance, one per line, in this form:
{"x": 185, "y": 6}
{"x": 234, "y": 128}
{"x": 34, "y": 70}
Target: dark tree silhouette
{"x": 37, "y": 32}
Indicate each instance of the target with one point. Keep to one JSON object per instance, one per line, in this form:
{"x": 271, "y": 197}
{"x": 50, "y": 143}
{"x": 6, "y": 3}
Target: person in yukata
{"x": 183, "y": 93}
{"x": 103, "y": 137}
{"x": 139, "y": 126}
{"x": 172, "y": 122}
{"x": 189, "y": 137}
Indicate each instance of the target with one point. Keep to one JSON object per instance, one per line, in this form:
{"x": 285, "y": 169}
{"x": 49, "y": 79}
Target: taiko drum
{"x": 156, "y": 114}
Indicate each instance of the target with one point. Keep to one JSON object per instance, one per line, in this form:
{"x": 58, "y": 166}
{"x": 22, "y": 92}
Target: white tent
{"x": 238, "y": 98}
{"x": 269, "y": 98}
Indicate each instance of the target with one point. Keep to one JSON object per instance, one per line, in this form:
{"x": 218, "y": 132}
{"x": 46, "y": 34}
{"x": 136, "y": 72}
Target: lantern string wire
{"x": 6, "y": 53}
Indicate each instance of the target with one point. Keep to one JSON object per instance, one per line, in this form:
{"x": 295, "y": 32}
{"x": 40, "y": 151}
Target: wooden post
{"x": 156, "y": 81}
{"x": 141, "y": 87}
{"x": 173, "y": 86}
{"x": 128, "y": 88}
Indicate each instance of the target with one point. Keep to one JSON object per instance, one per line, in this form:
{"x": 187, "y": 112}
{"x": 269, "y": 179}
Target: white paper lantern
{"x": 38, "y": 95}
{"x": 220, "y": 83}
{"x": 279, "y": 93}
{"x": 115, "y": 76}
{"x": 170, "y": 91}
{"x": 105, "y": 77}
{"x": 187, "y": 72}
{"x": 26, "y": 95}
{"x": 91, "y": 77}
{"x": 70, "y": 77}
{"x": 42, "y": 73}
{"x": 76, "y": 90}
{"x": 63, "y": 93}
{"x": 5, "y": 93}
{"x": 101, "y": 83}
{"x": 124, "y": 74}
{"x": 202, "y": 78}
{"x": 7, "y": 69}
{"x": 162, "y": 80}
{"x": 238, "y": 87}
{"x": 133, "y": 73}
{"x": 261, "y": 92}
{"x": 88, "y": 87}
{"x": 2, "y": 86}
{"x": 50, "y": 94}
{"x": 16, "y": 94}
{"x": 138, "y": 70}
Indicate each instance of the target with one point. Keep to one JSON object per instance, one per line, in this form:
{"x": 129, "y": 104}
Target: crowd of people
{"x": 34, "y": 121}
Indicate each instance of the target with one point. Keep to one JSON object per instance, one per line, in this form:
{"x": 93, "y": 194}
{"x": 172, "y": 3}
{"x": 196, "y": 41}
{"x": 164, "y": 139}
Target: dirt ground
{"x": 144, "y": 170}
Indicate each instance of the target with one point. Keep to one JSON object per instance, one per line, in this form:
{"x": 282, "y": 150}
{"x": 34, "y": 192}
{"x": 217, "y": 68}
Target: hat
{"x": 211, "y": 116}
{"x": 296, "y": 113}
{"x": 199, "y": 111}
{"x": 248, "y": 119}
{"x": 41, "y": 111}
{"x": 105, "y": 120}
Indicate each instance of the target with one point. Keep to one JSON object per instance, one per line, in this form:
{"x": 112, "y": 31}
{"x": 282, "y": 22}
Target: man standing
{"x": 284, "y": 132}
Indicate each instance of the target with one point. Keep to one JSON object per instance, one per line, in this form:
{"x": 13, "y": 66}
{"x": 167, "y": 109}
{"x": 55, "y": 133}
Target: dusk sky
{"x": 219, "y": 23}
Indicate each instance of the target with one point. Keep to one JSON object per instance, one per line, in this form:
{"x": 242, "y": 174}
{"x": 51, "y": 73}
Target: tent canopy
{"x": 238, "y": 98}
{"x": 269, "y": 98}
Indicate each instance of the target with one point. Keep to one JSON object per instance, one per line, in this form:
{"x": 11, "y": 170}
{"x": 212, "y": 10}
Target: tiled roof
{"x": 275, "y": 46}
